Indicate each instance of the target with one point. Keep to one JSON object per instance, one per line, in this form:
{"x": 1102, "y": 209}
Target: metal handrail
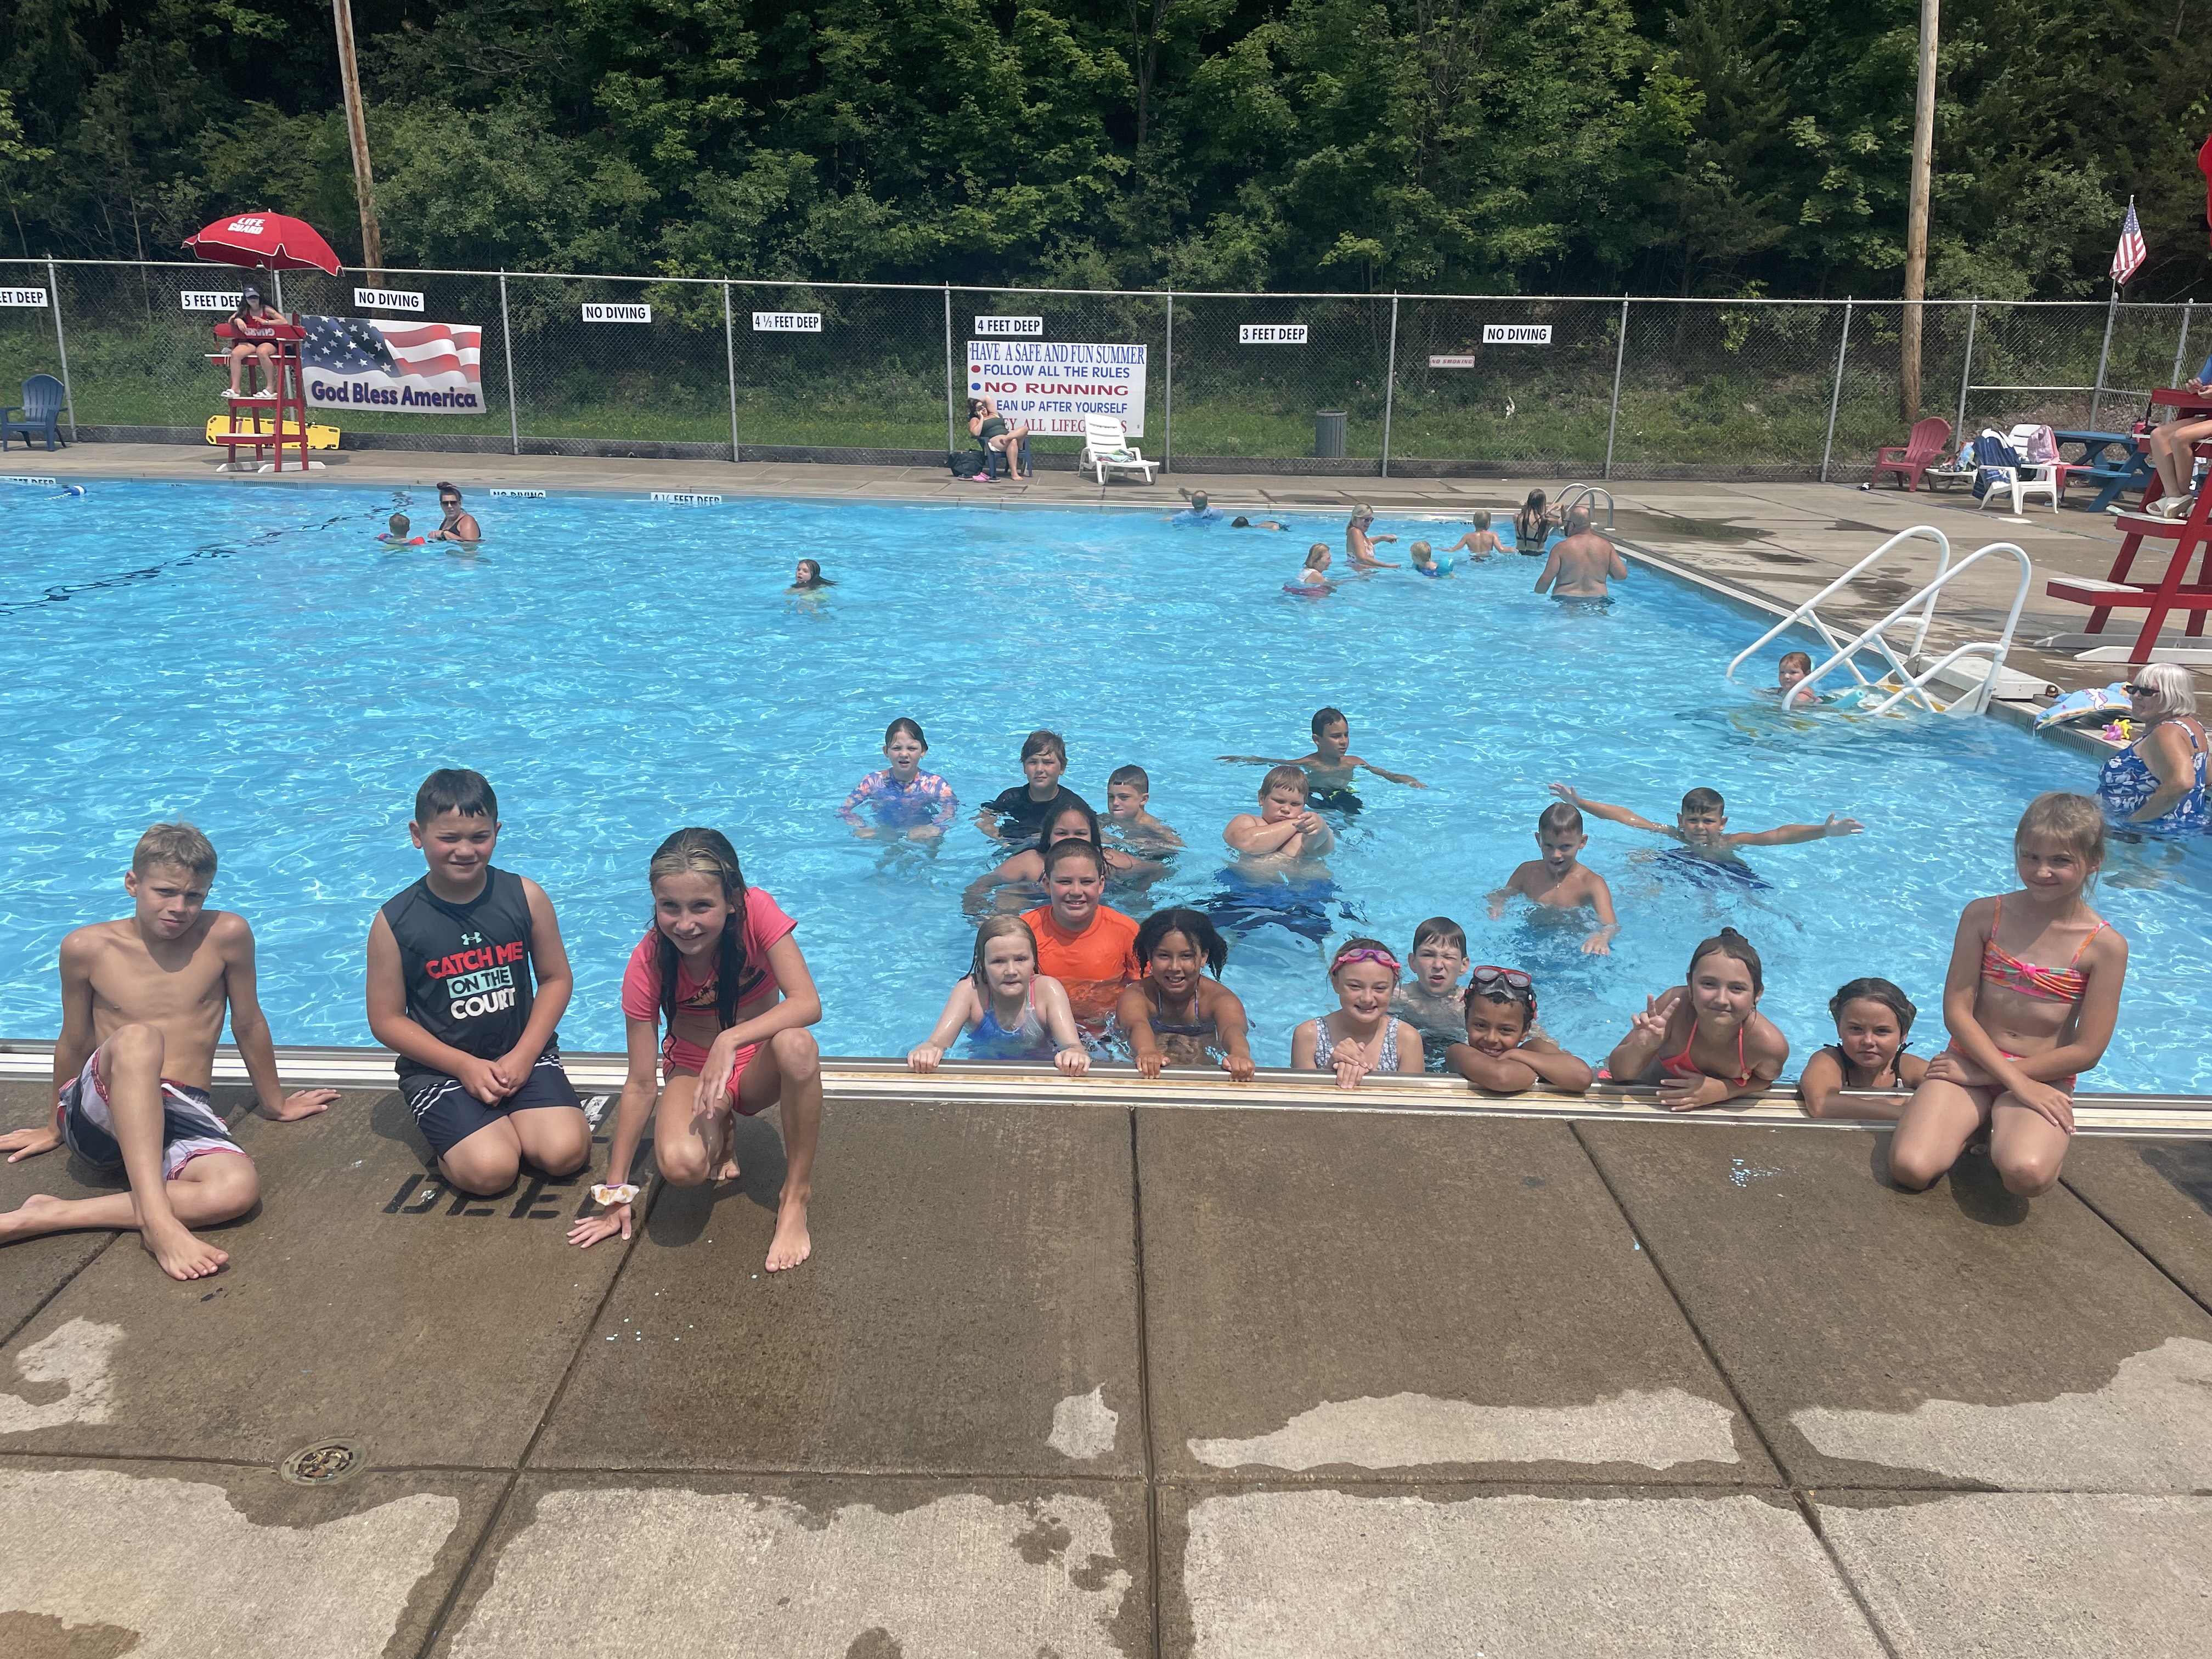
{"x": 1809, "y": 611}
{"x": 1914, "y": 685}
{"x": 1589, "y": 492}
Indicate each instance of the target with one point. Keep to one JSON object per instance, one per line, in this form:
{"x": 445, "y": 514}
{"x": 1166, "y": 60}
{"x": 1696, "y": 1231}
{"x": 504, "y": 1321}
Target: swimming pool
{"x": 250, "y": 658}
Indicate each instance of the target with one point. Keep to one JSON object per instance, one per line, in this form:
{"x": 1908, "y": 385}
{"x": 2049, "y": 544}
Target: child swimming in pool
{"x": 1705, "y": 1043}
{"x": 1018, "y": 814}
{"x": 1174, "y": 1015}
{"x": 1129, "y": 818}
{"x": 1503, "y": 1052}
{"x": 1426, "y": 562}
{"x": 1479, "y": 542}
{"x": 905, "y": 800}
{"x": 1701, "y": 825}
{"x": 1008, "y": 1009}
{"x": 396, "y": 529}
{"x": 1430, "y": 1001}
{"x": 2021, "y": 1032}
{"x": 1070, "y": 820}
{"x": 1874, "y": 1022}
{"x": 1331, "y": 766}
{"x": 1531, "y": 525}
{"x": 1313, "y": 575}
{"x": 1363, "y": 1035}
{"x": 807, "y": 578}
{"x": 1560, "y": 880}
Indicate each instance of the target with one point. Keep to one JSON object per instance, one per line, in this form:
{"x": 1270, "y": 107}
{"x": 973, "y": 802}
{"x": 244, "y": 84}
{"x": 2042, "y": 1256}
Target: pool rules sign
{"x": 1050, "y": 386}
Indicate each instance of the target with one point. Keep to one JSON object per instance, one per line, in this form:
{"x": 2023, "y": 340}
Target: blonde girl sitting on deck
{"x": 1705, "y": 1043}
{"x": 1361, "y": 1035}
{"x": 2021, "y": 1031}
{"x": 1008, "y": 1010}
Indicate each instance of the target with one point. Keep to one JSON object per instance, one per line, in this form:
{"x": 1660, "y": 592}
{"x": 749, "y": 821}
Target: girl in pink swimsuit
{"x": 1705, "y": 1043}
{"x": 721, "y": 970}
{"x": 2021, "y": 1032}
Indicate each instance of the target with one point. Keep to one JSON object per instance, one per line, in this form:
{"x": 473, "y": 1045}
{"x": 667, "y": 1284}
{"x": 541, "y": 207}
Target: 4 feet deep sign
{"x": 408, "y": 368}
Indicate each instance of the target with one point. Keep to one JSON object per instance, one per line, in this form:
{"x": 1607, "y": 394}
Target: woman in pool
{"x": 2156, "y": 785}
{"x": 1072, "y": 820}
{"x": 1531, "y": 526}
{"x": 720, "y": 969}
{"x": 1705, "y": 1043}
{"x": 1174, "y": 1015}
{"x": 808, "y": 578}
{"x": 1874, "y": 1022}
{"x": 905, "y": 800}
{"x": 1359, "y": 546}
{"x": 1361, "y": 1035}
{"x": 994, "y": 431}
{"x": 1008, "y": 1009}
{"x": 1479, "y": 542}
{"x": 1504, "y": 1054}
{"x": 2021, "y": 1032}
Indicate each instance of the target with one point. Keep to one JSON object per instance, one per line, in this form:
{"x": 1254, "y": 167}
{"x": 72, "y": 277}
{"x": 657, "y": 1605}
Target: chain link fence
{"x": 1359, "y": 385}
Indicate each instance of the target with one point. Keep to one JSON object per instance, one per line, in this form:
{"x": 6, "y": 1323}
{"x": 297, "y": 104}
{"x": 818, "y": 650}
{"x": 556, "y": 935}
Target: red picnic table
{"x": 2191, "y": 538}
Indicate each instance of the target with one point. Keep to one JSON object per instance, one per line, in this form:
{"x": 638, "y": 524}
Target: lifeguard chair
{"x": 282, "y": 393}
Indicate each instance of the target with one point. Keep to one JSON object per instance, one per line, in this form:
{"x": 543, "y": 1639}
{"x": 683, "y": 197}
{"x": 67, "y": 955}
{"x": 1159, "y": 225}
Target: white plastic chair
{"x": 1106, "y": 449}
{"x": 2040, "y": 471}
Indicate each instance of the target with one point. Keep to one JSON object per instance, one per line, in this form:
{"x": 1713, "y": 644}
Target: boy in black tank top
{"x": 451, "y": 965}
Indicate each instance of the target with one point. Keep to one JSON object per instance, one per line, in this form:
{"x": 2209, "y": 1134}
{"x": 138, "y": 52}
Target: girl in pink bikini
{"x": 2021, "y": 1031}
{"x": 720, "y": 969}
{"x": 1705, "y": 1043}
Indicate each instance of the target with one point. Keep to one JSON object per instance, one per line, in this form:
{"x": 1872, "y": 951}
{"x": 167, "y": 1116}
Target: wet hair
{"x": 816, "y": 580}
{"x": 445, "y": 489}
{"x": 1336, "y": 958}
{"x": 1325, "y": 718}
{"x": 997, "y": 927}
{"x": 1578, "y": 521}
{"x": 1789, "y": 657}
{"x": 1560, "y": 815}
{"x": 1417, "y": 549}
{"x": 454, "y": 789}
{"x": 1498, "y": 992}
{"x": 1730, "y": 944}
{"x": 1130, "y": 774}
{"x": 903, "y": 725}
{"x": 1481, "y": 521}
{"x": 1444, "y": 930}
{"x": 703, "y": 853}
{"x": 2170, "y": 683}
{"x": 1702, "y": 799}
{"x": 1876, "y": 990}
{"x": 1285, "y": 777}
{"x": 1240, "y": 522}
{"x": 1060, "y": 851}
{"x": 1041, "y": 742}
{"x": 1532, "y": 510}
{"x": 1194, "y": 925}
{"x": 1318, "y": 547}
{"x": 1198, "y": 496}
{"x": 1070, "y": 806}
{"x": 397, "y": 524}
{"x": 2074, "y": 820}
{"x": 177, "y": 843}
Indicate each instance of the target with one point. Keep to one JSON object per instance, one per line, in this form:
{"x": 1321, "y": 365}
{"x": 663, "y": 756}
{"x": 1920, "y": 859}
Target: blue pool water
{"x": 250, "y": 660}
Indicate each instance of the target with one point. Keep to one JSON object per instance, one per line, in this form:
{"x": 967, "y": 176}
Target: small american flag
{"x": 2129, "y": 256}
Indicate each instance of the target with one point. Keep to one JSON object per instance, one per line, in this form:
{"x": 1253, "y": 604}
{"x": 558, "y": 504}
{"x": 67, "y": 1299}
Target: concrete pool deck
{"x": 1074, "y": 1374}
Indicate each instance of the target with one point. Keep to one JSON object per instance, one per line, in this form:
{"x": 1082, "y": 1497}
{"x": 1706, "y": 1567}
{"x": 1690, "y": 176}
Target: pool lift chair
{"x": 1905, "y": 681}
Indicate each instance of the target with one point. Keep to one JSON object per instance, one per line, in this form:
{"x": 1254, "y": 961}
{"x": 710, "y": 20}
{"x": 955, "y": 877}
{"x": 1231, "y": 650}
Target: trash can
{"x": 1329, "y": 435}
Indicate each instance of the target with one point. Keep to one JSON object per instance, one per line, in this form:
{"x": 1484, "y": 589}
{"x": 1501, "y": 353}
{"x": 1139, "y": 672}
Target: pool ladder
{"x": 1910, "y": 684}
{"x": 1586, "y": 494}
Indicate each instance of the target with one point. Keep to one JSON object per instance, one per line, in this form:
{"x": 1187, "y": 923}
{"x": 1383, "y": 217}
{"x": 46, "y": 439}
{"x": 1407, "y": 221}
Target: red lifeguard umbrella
{"x": 267, "y": 242}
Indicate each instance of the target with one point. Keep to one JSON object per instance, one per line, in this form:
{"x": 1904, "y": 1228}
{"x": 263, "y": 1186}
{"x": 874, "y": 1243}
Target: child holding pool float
{"x": 1874, "y": 1022}
{"x": 2021, "y": 1032}
{"x": 1174, "y": 1015}
{"x": 1505, "y": 1053}
{"x": 721, "y": 970}
{"x": 1007, "y": 1008}
{"x": 1426, "y": 563}
{"x": 1363, "y": 1035}
{"x": 1705, "y": 1043}
{"x": 904, "y": 799}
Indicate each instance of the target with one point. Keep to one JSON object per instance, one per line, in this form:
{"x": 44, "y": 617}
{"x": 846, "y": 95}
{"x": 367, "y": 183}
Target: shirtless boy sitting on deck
{"x": 1581, "y": 562}
{"x": 142, "y": 1006}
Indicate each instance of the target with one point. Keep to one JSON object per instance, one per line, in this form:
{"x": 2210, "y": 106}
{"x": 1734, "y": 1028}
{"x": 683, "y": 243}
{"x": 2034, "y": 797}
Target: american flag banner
{"x": 414, "y": 369}
{"x": 2129, "y": 256}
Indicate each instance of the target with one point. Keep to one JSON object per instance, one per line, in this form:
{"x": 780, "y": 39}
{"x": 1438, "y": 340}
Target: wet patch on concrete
{"x": 185, "y": 1563}
{"x": 32, "y": 1271}
{"x": 363, "y": 1298}
{"x": 2149, "y": 1429}
{"x": 1321, "y": 1573}
{"x": 2159, "y": 1195}
{"x": 1502, "y": 1284}
{"x": 1835, "y": 1301}
{"x": 849, "y": 1568}
{"x": 973, "y": 1265}
{"x": 1414, "y": 1430}
{"x": 2061, "y": 1575}
{"x": 63, "y": 1378}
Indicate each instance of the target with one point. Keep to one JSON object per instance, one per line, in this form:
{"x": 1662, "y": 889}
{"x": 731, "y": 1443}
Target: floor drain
{"x": 325, "y": 1463}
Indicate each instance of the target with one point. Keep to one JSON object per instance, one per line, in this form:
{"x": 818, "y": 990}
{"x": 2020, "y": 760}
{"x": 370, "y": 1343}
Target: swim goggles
{"x": 1489, "y": 981}
{"x": 1366, "y": 953}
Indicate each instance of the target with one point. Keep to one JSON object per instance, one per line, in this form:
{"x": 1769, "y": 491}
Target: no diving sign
{"x": 1516, "y": 334}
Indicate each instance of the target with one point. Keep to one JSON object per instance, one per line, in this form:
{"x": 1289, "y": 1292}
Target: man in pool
{"x": 1702, "y": 825}
{"x": 1581, "y": 562}
{"x": 1331, "y": 766}
{"x": 142, "y": 1006}
{"x": 459, "y": 526}
{"x": 1201, "y": 511}
{"x": 1127, "y": 818}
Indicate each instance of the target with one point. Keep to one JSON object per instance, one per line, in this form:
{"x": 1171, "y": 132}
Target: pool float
{"x": 1712, "y": 873}
{"x": 1305, "y": 593}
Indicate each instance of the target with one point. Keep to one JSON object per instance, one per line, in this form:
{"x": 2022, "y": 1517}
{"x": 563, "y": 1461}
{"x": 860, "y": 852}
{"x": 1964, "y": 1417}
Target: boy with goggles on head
{"x": 1504, "y": 1054}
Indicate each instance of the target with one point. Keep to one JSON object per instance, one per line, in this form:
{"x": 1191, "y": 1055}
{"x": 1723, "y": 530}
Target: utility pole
{"x": 364, "y": 181}
{"x": 1915, "y": 223}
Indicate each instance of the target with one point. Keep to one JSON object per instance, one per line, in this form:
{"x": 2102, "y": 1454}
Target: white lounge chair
{"x": 1106, "y": 449}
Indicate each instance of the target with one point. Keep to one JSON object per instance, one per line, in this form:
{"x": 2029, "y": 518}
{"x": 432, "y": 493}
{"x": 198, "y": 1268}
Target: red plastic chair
{"x": 1930, "y": 438}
